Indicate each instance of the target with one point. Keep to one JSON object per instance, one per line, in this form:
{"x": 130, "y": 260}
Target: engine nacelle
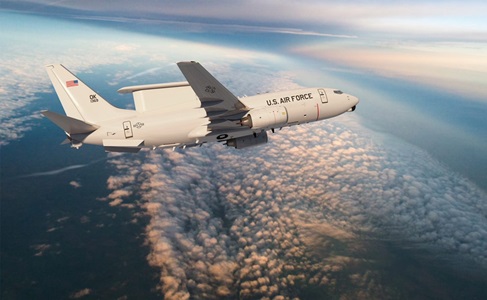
{"x": 248, "y": 141}
{"x": 265, "y": 118}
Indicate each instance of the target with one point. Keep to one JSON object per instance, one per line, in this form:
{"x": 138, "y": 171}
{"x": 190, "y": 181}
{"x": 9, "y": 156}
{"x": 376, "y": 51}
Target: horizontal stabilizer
{"x": 68, "y": 124}
{"x": 66, "y": 141}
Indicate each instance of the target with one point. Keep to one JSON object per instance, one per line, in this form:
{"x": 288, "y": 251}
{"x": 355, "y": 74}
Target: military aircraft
{"x": 185, "y": 114}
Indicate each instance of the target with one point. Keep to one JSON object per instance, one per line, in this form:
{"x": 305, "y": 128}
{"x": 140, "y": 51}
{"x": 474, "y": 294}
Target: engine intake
{"x": 265, "y": 118}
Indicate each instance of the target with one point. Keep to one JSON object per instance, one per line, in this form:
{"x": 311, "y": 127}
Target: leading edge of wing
{"x": 215, "y": 98}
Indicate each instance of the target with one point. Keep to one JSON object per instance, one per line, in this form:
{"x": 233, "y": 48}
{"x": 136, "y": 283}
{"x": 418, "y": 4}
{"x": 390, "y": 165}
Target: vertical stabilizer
{"x": 79, "y": 101}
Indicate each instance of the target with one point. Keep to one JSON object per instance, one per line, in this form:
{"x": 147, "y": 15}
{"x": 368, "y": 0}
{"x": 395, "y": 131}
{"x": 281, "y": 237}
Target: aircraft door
{"x": 324, "y": 98}
{"x": 127, "y": 129}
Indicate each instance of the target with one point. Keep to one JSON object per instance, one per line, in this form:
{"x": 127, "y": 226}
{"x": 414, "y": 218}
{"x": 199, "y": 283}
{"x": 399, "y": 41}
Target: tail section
{"x": 79, "y": 101}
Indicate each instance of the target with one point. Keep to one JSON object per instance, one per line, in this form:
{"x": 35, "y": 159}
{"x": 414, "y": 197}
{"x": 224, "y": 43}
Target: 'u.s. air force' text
{"x": 289, "y": 99}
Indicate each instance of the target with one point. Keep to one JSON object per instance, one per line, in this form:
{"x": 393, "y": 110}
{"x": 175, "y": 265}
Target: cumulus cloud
{"x": 81, "y": 293}
{"x": 300, "y": 213}
{"x": 75, "y": 184}
{"x": 41, "y": 249}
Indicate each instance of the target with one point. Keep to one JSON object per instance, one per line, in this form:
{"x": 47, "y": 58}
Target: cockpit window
{"x": 337, "y": 92}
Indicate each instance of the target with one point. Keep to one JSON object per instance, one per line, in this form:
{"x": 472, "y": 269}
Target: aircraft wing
{"x": 222, "y": 107}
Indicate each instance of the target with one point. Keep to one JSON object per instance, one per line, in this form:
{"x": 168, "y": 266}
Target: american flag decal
{"x": 72, "y": 83}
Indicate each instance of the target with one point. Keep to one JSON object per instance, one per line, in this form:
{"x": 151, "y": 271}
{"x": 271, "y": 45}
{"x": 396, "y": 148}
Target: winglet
{"x": 68, "y": 124}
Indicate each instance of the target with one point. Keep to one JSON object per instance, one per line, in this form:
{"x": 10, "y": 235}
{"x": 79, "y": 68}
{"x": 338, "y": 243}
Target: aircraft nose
{"x": 353, "y": 101}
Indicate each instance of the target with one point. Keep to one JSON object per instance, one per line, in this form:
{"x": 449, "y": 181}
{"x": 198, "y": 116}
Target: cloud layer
{"x": 347, "y": 17}
{"x": 298, "y": 214}
{"x": 456, "y": 67}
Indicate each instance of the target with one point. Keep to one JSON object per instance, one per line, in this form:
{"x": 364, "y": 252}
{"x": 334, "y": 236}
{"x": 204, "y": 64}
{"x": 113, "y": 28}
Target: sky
{"x": 320, "y": 205}
{"x": 452, "y": 17}
{"x": 434, "y": 46}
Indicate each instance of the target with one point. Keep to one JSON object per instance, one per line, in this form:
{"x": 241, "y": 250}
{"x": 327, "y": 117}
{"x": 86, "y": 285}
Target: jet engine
{"x": 248, "y": 141}
{"x": 265, "y": 118}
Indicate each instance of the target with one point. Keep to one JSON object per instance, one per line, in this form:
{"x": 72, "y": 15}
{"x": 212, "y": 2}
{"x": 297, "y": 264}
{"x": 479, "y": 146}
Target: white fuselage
{"x": 176, "y": 127}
